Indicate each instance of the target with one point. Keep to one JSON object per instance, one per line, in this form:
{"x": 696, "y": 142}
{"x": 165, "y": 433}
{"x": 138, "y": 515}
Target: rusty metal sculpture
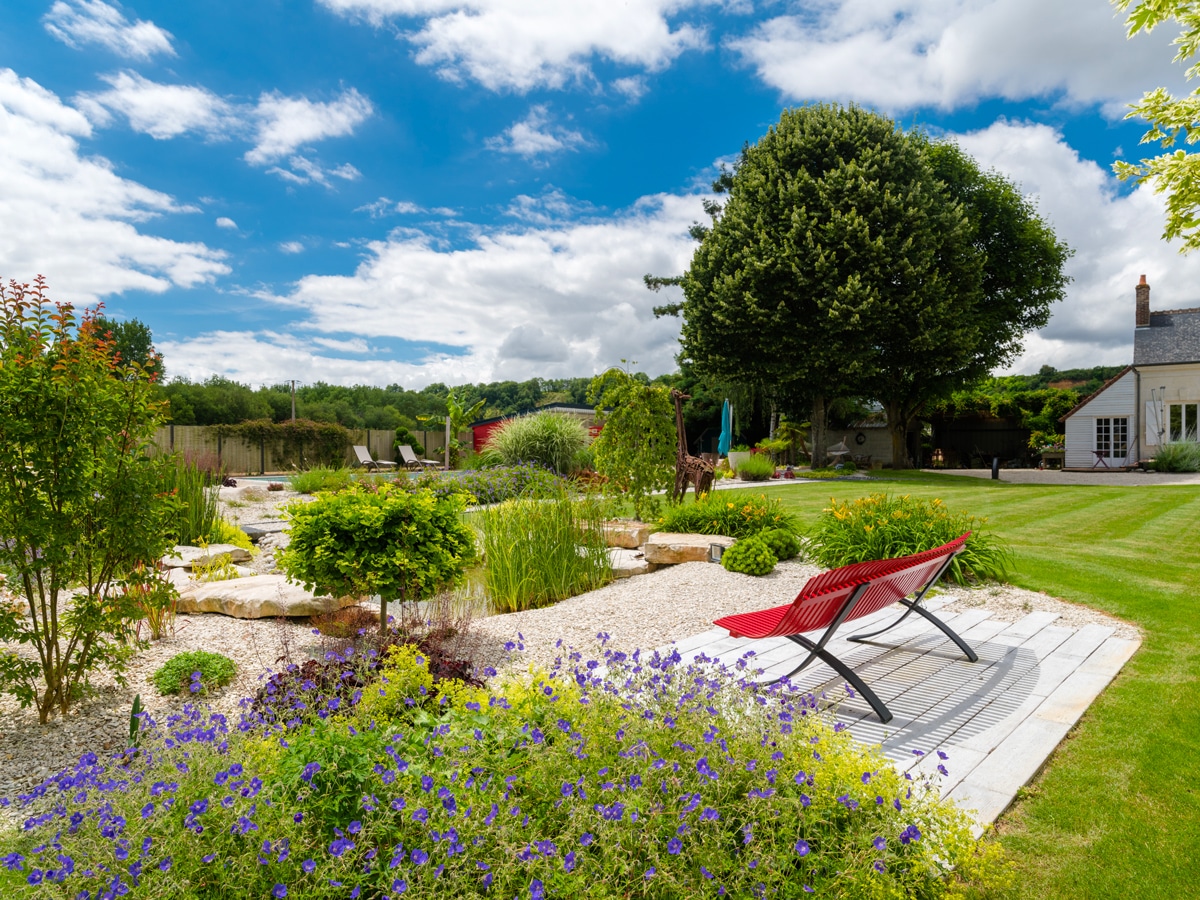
{"x": 688, "y": 468}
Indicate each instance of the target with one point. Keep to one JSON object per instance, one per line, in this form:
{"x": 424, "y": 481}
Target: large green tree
{"x": 853, "y": 259}
{"x": 836, "y": 250}
{"x": 977, "y": 327}
{"x": 1175, "y": 173}
{"x": 132, "y": 344}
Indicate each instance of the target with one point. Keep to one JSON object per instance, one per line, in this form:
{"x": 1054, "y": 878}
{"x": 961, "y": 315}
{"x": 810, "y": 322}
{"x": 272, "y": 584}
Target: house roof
{"x": 1173, "y": 336}
{"x": 1090, "y": 397}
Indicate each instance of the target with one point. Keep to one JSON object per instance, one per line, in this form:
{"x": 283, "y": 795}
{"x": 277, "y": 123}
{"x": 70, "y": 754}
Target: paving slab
{"x": 997, "y": 720}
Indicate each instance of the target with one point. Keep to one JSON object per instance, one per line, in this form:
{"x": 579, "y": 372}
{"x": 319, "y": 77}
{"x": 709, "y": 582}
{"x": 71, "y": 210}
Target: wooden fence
{"x": 238, "y": 456}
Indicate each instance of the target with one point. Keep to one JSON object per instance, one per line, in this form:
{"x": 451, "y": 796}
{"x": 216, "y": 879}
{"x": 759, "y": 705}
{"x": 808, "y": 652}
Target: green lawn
{"x": 1116, "y": 811}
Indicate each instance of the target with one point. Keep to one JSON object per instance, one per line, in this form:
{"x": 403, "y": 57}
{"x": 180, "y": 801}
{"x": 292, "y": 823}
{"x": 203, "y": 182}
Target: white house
{"x": 1155, "y": 400}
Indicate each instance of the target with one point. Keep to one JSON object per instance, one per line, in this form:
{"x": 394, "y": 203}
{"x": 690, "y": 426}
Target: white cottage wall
{"x": 1118, "y": 400}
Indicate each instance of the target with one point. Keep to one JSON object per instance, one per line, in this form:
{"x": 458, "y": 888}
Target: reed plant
{"x": 883, "y": 526}
{"x": 540, "y": 551}
{"x": 196, "y": 514}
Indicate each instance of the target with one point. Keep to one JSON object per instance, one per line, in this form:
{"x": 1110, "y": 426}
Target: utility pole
{"x": 447, "y": 443}
{"x": 293, "y": 399}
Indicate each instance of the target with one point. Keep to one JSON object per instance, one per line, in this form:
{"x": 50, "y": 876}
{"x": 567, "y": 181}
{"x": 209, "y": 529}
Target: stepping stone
{"x": 625, "y": 533}
{"x": 258, "y": 530}
{"x": 626, "y": 563}
{"x": 667, "y": 548}
{"x": 184, "y": 557}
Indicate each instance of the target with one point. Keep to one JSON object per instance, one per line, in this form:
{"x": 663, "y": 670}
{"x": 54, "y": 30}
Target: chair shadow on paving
{"x": 938, "y": 698}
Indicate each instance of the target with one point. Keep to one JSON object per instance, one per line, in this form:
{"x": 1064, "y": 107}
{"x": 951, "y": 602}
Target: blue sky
{"x": 379, "y": 191}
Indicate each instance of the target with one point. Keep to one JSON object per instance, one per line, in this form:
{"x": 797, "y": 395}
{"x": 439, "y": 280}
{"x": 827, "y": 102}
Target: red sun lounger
{"x": 851, "y": 592}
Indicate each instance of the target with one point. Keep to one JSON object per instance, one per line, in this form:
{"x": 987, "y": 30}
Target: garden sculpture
{"x": 687, "y": 467}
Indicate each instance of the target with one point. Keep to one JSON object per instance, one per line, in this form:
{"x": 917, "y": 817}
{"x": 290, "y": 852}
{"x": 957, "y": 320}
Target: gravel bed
{"x": 644, "y": 612}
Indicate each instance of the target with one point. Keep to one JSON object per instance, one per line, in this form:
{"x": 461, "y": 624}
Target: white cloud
{"x": 307, "y": 171}
{"x": 520, "y": 45}
{"x": 286, "y": 123}
{"x": 1115, "y": 236}
{"x": 385, "y": 207}
{"x": 69, "y": 217}
{"x": 226, "y": 222}
{"x": 563, "y": 299}
{"x": 95, "y": 22}
{"x": 900, "y": 54}
{"x": 535, "y": 136}
{"x": 291, "y": 247}
{"x": 159, "y": 110}
{"x": 552, "y": 205}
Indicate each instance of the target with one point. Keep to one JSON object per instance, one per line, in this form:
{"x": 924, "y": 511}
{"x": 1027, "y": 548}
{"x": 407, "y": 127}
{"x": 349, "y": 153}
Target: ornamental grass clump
{"x": 1177, "y": 456}
{"x": 734, "y": 514}
{"x": 628, "y": 776}
{"x": 551, "y": 439}
{"x": 540, "y": 551}
{"x": 758, "y": 467}
{"x": 321, "y": 478}
{"x": 883, "y": 526}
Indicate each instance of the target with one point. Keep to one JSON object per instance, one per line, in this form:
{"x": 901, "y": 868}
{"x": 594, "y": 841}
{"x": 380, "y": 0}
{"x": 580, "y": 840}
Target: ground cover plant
{"x": 500, "y": 483}
{"x": 322, "y": 478}
{"x": 1114, "y": 813}
{"x": 193, "y": 672}
{"x": 538, "y": 551}
{"x": 885, "y": 526}
{"x": 731, "y": 513}
{"x": 628, "y": 776}
{"x": 552, "y": 440}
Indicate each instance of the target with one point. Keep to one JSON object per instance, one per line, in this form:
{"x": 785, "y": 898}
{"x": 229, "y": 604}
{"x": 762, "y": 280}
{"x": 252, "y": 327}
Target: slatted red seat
{"x": 841, "y": 595}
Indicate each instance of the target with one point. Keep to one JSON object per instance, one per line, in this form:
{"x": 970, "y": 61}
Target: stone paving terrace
{"x": 997, "y": 720}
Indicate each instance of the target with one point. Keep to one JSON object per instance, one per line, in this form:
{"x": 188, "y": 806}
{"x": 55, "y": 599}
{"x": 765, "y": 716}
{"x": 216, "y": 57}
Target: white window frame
{"x": 1187, "y": 415}
{"x": 1112, "y": 435}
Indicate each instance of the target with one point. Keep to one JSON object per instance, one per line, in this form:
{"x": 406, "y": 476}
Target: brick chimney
{"x": 1142, "y": 315}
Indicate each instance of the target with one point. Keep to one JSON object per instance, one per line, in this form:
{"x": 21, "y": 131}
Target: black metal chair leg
{"x": 842, "y": 669}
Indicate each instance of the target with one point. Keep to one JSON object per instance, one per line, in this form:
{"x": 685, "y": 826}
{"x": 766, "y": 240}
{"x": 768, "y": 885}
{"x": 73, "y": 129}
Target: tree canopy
{"x": 1175, "y": 173}
{"x": 852, "y": 258}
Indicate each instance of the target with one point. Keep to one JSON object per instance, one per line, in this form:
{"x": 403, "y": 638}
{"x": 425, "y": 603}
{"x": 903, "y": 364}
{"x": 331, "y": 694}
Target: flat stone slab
{"x": 627, "y": 563}
{"x": 259, "y": 530}
{"x": 185, "y": 556}
{"x": 256, "y": 597}
{"x": 666, "y": 548}
{"x": 625, "y": 533}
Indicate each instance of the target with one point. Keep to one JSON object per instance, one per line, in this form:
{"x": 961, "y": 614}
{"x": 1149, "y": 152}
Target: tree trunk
{"x": 897, "y": 423}
{"x": 382, "y": 615}
{"x": 819, "y": 439}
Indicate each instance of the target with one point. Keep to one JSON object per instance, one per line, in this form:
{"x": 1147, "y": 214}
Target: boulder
{"x": 667, "y": 548}
{"x": 626, "y": 563}
{"x": 256, "y": 597}
{"x": 627, "y": 533}
{"x": 184, "y": 556}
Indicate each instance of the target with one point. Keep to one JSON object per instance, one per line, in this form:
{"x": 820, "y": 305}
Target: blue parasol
{"x": 726, "y": 430}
